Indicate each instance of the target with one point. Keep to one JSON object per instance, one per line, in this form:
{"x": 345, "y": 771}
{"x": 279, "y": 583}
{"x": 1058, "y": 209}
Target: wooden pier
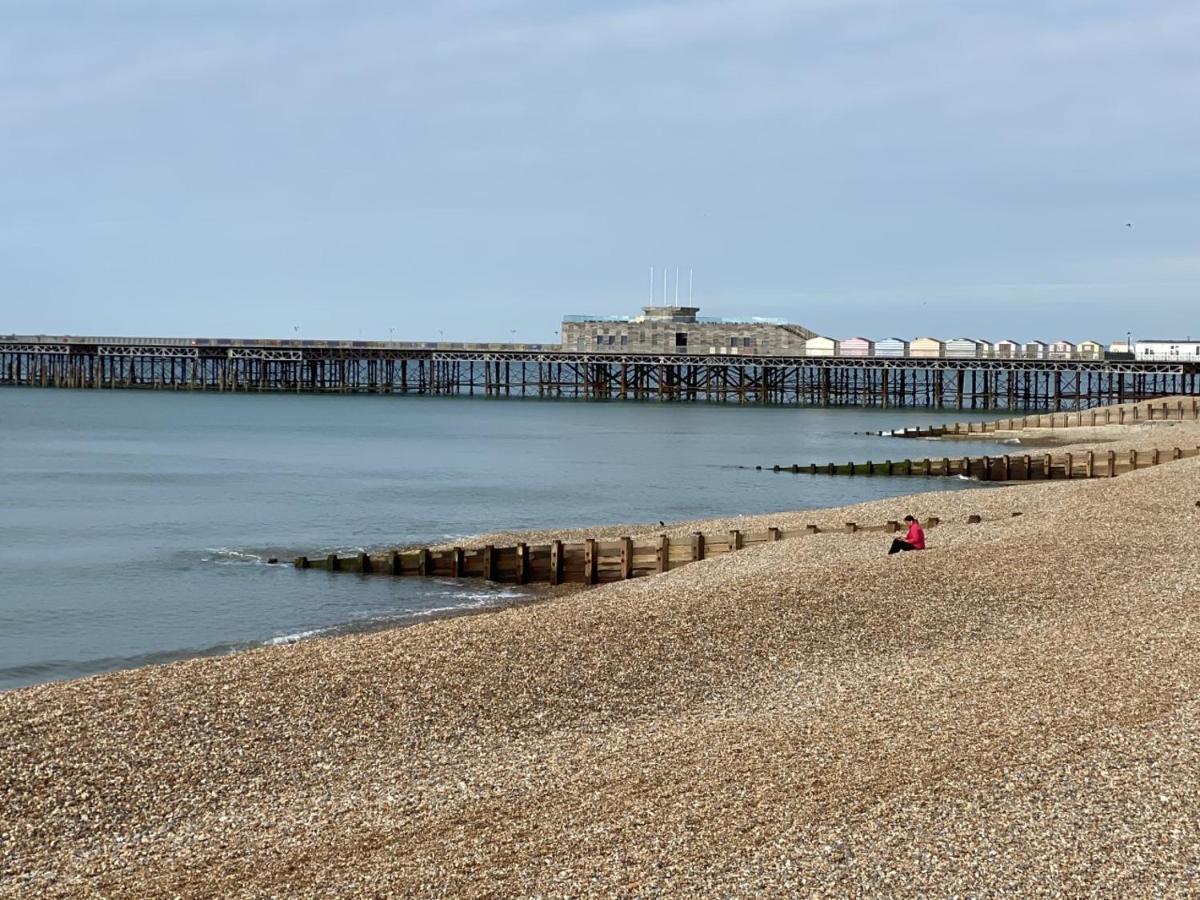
{"x": 1008, "y": 467}
{"x": 549, "y": 371}
{"x": 588, "y": 562}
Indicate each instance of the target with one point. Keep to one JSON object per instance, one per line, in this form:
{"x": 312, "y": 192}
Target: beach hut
{"x": 962, "y": 348}
{"x": 1061, "y": 350}
{"x": 1090, "y": 350}
{"x": 1034, "y": 350}
{"x": 856, "y": 346}
{"x": 891, "y": 347}
{"x": 986, "y": 348}
{"x": 926, "y": 347}
{"x": 820, "y": 346}
{"x": 1007, "y": 349}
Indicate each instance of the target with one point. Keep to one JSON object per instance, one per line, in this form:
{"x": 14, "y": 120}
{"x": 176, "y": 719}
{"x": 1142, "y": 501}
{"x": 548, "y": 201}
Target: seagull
{"x": 662, "y": 523}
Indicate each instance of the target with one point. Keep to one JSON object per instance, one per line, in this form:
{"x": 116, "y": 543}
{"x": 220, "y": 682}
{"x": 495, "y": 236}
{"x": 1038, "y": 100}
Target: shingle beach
{"x": 1012, "y": 712}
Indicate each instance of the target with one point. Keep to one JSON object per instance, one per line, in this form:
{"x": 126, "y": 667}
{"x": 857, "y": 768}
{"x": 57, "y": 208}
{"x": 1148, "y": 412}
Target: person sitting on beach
{"x": 914, "y": 540}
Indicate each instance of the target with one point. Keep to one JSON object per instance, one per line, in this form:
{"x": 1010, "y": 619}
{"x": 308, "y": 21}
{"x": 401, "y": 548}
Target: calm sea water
{"x": 135, "y": 527}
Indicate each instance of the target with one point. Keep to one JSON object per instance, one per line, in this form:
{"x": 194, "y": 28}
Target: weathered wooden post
{"x": 811, "y": 529}
{"x": 456, "y": 559}
{"x": 892, "y": 525}
{"x": 974, "y": 519}
{"x": 522, "y": 563}
{"x": 662, "y": 556}
{"x": 851, "y": 527}
{"x": 626, "y": 558}
{"x": 1176, "y": 454}
{"x": 966, "y": 467}
{"x": 1154, "y": 457}
{"x": 774, "y": 534}
{"x": 331, "y": 562}
{"x": 1048, "y": 466}
{"x": 945, "y": 465}
{"x": 1112, "y": 463}
{"x": 1133, "y": 460}
{"x": 1028, "y": 466}
{"x": 489, "y": 562}
{"x": 933, "y": 522}
{"x": 1005, "y": 463}
{"x": 1091, "y": 464}
{"x": 736, "y": 540}
{"x": 589, "y": 561}
{"x": 888, "y": 465}
{"x": 423, "y": 567}
{"x": 301, "y": 562}
{"x": 697, "y": 545}
{"x": 1070, "y": 465}
{"x": 556, "y": 562}
{"x": 395, "y": 564}
{"x": 363, "y": 562}
{"x": 926, "y": 466}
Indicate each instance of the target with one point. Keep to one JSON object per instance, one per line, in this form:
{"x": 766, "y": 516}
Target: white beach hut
{"x": 1035, "y": 350}
{"x": 1061, "y": 350}
{"x": 856, "y": 346}
{"x": 962, "y": 348}
{"x": 820, "y": 346}
{"x": 1090, "y": 350}
{"x": 926, "y": 347}
{"x": 1007, "y": 349}
{"x": 891, "y": 347}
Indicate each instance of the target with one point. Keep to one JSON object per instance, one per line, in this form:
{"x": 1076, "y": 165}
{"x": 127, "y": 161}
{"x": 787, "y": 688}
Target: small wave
{"x": 293, "y": 638}
{"x": 228, "y": 556}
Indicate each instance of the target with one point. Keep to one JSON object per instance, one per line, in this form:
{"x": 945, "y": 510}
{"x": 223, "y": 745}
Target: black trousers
{"x": 898, "y": 545}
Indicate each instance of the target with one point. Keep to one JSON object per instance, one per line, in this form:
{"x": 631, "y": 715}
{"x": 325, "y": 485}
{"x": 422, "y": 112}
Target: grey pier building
{"x": 678, "y": 329}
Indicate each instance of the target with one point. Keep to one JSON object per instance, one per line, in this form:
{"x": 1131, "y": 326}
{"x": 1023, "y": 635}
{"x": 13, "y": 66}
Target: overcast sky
{"x": 477, "y": 169}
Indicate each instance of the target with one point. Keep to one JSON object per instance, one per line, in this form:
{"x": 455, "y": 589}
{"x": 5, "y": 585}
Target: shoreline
{"x": 807, "y": 716}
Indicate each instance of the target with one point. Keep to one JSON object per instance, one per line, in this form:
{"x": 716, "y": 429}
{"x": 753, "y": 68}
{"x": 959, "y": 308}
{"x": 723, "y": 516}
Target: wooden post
{"x": 1091, "y": 464}
{"x": 457, "y": 562}
{"x": 423, "y": 561}
{"x": 522, "y": 563}
{"x": 697, "y": 545}
{"x": 1005, "y": 462}
{"x": 331, "y": 562}
{"x": 774, "y": 534}
{"x": 489, "y": 562}
{"x": 589, "y": 561}
{"x": 1176, "y": 453}
{"x": 851, "y": 527}
{"x": 1070, "y": 465}
{"x": 1133, "y": 460}
{"x": 1048, "y": 466}
{"x": 888, "y": 464}
{"x": 1028, "y": 466}
{"x": 736, "y": 541}
{"x": 301, "y": 562}
{"x": 966, "y": 467}
{"x": 395, "y": 565}
{"x": 892, "y": 525}
{"x": 811, "y": 529}
{"x": 626, "y": 558}
{"x": 945, "y": 465}
{"x": 933, "y": 522}
{"x": 662, "y": 556}
{"x": 927, "y": 471}
{"x": 974, "y": 519}
{"x": 556, "y": 562}
{"x": 1112, "y": 463}
{"x": 1154, "y": 457}
{"x": 363, "y": 562}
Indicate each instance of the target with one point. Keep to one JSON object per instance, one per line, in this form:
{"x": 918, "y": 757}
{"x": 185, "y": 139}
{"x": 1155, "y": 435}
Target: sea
{"x": 136, "y": 527}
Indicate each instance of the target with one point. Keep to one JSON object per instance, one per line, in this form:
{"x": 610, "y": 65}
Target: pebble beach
{"x": 1011, "y": 712}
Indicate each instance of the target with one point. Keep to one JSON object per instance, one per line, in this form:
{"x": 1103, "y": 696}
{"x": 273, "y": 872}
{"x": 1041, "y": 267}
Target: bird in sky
{"x": 1128, "y": 224}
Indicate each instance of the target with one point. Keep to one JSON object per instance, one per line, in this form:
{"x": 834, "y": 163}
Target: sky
{"x": 475, "y": 170}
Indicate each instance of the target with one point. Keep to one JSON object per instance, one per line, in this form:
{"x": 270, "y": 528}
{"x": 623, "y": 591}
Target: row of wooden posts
{"x": 590, "y": 561}
{"x": 1027, "y": 467}
{"x": 1161, "y": 411}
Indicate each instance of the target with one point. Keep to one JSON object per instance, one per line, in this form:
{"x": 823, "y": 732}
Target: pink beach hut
{"x": 857, "y": 346}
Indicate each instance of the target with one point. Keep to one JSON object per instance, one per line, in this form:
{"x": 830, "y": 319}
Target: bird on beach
{"x": 662, "y": 524}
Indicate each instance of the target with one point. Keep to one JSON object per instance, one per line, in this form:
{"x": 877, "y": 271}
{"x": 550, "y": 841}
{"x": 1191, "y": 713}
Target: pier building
{"x": 679, "y": 329}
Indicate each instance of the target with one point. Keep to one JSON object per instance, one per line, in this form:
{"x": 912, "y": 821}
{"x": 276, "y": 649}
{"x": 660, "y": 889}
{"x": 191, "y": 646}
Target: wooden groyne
{"x": 1024, "y": 467}
{"x": 1179, "y": 410}
{"x": 590, "y": 561}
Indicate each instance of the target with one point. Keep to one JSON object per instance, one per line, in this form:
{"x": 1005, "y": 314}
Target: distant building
{"x": 1176, "y": 350}
{"x": 891, "y": 347}
{"x": 678, "y": 329}
{"x": 926, "y": 347}
{"x": 819, "y": 345}
{"x": 1007, "y": 349}
{"x": 1061, "y": 350}
{"x": 857, "y": 346}
{"x": 967, "y": 348}
{"x": 1035, "y": 350}
{"x": 1090, "y": 350}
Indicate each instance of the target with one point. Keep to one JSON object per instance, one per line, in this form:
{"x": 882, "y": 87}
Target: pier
{"x": 549, "y": 371}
